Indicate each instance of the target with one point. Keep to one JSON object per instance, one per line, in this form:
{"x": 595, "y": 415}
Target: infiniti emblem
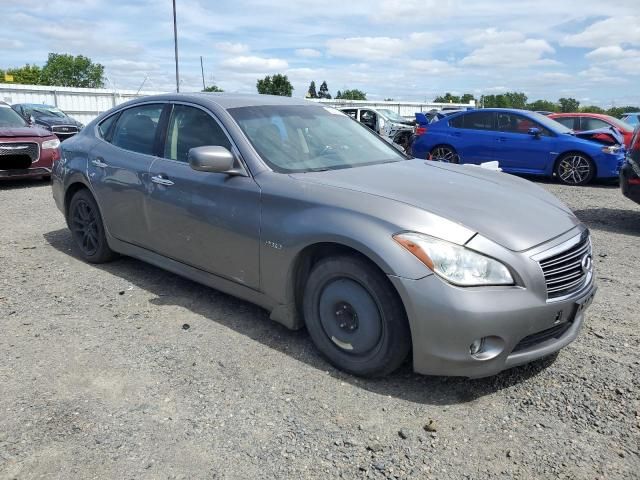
{"x": 586, "y": 263}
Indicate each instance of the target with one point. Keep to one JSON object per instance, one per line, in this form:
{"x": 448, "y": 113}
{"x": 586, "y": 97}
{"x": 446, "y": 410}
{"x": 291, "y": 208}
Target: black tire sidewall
{"x": 103, "y": 253}
{"x": 395, "y": 340}
{"x": 449, "y": 147}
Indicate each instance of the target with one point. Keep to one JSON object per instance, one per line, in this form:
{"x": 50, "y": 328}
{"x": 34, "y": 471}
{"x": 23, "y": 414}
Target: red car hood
{"x": 24, "y": 132}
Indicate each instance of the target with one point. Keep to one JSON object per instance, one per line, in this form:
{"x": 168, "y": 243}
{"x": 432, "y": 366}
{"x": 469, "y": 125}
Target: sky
{"x": 410, "y": 50}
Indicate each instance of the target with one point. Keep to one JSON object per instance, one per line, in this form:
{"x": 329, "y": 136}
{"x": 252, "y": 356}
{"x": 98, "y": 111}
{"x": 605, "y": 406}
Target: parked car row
{"x": 522, "y": 142}
{"x": 387, "y": 123}
{"x": 30, "y": 135}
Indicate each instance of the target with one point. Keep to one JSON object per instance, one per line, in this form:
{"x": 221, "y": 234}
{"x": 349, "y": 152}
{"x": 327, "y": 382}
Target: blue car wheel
{"x": 444, "y": 153}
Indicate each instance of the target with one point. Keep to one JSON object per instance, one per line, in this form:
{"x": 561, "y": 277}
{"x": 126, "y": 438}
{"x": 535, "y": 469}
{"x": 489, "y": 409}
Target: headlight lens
{"x": 457, "y": 265}
{"x": 50, "y": 144}
{"x": 612, "y": 149}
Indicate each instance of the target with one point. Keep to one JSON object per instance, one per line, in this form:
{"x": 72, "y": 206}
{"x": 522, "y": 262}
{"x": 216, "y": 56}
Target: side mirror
{"x": 536, "y": 132}
{"x": 213, "y": 159}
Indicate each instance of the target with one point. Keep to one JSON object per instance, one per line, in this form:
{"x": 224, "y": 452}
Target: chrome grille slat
{"x": 30, "y": 149}
{"x": 568, "y": 256}
{"x": 563, "y": 272}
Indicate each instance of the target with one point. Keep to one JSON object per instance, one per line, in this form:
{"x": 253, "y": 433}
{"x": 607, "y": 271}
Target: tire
{"x": 355, "y": 317}
{"x": 444, "y": 153}
{"x": 575, "y": 169}
{"x": 87, "y": 230}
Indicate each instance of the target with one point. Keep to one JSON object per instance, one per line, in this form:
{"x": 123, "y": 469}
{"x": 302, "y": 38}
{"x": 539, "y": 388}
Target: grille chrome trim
{"x": 64, "y": 129}
{"x": 562, "y": 267}
{"x": 34, "y": 149}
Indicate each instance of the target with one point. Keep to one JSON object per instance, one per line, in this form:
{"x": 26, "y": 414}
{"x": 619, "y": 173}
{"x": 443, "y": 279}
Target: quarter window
{"x": 190, "y": 127}
{"x": 106, "y": 125}
{"x": 136, "y": 128}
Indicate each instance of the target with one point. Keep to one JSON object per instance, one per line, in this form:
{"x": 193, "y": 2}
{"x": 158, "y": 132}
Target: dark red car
{"x": 582, "y": 122}
{"x": 25, "y": 151}
{"x": 630, "y": 171}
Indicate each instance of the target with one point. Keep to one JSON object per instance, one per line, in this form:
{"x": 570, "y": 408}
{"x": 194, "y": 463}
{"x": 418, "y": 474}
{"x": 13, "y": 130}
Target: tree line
{"x": 520, "y": 100}
{"x": 61, "y": 70}
{"x": 279, "y": 84}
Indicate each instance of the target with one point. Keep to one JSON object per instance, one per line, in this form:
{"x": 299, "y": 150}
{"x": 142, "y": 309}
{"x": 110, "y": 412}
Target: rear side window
{"x": 478, "y": 120}
{"x": 136, "y": 128}
{"x": 568, "y": 122}
{"x": 190, "y": 127}
{"x": 106, "y": 127}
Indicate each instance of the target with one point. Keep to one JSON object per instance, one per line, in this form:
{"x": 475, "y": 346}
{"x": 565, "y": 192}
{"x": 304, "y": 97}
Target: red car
{"x": 25, "y": 151}
{"x": 581, "y": 122}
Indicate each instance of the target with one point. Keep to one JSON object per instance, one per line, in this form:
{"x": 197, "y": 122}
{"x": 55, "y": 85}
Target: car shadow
{"x": 16, "y": 184}
{"x": 616, "y": 220}
{"x": 253, "y": 322}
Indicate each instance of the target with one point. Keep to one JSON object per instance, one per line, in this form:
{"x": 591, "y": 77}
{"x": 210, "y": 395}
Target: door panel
{"x": 473, "y": 137}
{"x": 210, "y": 221}
{"x": 518, "y": 150}
{"x": 119, "y": 177}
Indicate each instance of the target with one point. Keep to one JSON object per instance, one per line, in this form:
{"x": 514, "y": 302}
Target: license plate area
{"x": 584, "y": 303}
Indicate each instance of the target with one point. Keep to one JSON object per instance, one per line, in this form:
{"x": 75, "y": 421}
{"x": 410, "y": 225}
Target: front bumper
{"x": 25, "y": 173}
{"x": 445, "y": 320}
{"x": 630, "y": 183}
{"x": 609, "y": 165}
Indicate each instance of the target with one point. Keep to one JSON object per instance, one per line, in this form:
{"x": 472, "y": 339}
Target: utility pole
{"x": 175, "y": 44}
{"x": 202, "y": 69}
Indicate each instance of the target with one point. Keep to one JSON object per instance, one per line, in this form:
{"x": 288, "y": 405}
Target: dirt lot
{"x": 126, "y": 371}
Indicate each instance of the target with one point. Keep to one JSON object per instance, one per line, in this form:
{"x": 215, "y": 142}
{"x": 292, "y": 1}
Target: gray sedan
{"x": 296, "y": 208}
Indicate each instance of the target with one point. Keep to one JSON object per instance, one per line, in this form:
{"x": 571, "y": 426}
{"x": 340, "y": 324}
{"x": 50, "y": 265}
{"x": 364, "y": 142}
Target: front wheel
{"x": 575, "y": 169}
{"x": 355, "y": 317}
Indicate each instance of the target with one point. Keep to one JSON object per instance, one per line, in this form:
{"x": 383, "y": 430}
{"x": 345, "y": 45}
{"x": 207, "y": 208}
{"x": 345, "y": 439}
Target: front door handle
{"x": 99, "y": 162}
{"x": 160, "y": 180}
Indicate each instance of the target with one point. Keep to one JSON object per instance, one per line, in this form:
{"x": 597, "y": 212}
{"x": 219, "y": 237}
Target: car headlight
{"x": 50, "y": 144}
{"x": 612, "y": 149}
{"x": 455, "y": 264}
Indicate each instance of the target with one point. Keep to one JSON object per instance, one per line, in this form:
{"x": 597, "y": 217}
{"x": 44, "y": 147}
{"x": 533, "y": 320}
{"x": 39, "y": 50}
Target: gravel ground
{"x": 126, "y": 371}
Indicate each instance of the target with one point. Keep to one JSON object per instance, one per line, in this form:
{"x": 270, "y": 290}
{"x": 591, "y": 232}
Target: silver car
{"x": 295, "y": 207}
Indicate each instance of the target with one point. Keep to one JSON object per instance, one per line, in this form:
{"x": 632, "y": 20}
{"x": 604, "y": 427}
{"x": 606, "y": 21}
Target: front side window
{"x": 353, "y": 113}
{"x": 368, "y": 118}
{"x": 299, "y": 138}
{"x": 105, "y": 127}
{"x": 512, "y": 123}
{"x": 136, "y": 128}
{"x": 190, "y": 127}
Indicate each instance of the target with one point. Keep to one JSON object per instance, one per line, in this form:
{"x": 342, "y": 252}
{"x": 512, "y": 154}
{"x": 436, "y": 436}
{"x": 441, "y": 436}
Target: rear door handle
{"x": 160, "y": 180}
{"x": 99, "y": 162}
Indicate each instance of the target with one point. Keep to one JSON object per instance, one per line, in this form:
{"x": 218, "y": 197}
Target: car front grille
{"x": 64, "y": 129}
{"x": 18, "y": 155}
{"x": 567, "y": 271}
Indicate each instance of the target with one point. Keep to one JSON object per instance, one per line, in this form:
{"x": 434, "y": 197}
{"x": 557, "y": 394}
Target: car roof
{"x": 227, "y": 100}
{"x": 581, "y": 114}
{"x": 35, "y": 105}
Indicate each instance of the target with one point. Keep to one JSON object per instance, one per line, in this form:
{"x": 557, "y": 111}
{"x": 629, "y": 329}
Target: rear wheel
{"x": 575, "y": 169}
{"x": 87, "y": 229}
{"x": 444, "y": 153}
{"x": 355, "y": 318}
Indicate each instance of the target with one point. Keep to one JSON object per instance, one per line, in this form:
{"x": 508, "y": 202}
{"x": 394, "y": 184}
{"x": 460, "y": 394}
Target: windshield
{"x": 391, "y": 115}
{"x": 549, "y": 123}
{"x": 300, "y": 138}
{"x": 44, "y": 110}
{"x": 10, "y": 119}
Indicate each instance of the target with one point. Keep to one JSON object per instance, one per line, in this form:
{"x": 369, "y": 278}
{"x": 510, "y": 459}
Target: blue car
{"x": 522, "y": 142}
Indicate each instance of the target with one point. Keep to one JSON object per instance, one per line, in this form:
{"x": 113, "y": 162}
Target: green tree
{"x": 27, "y": 75}
{"x": 516, "y": 100}
{"x": 543, "y": 106}
{"x": 447, "y": 98}
{"x": 592, "y": 109}
{"x": 568, "y": 105}
{"x": 620, "y": 111}
{"x": 324, "y": 91}
{"x": 353, "y": 94}
{"x": 466, "y": 98}
{"x": 213, "y": 88}
{"x": 505, "y": 100}
{"x": 68, "y": 71}
{"x": 311, "y": 92}
{"x": 278, "y": 84}
{"x": 338, "y": 95}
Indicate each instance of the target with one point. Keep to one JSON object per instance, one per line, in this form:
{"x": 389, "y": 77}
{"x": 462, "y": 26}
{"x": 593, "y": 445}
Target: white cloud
{"x": 254, "y": 64}
{"x": 124, "y": 65}
{"x": 308, "y": 53}
{"x": 611, "y": 31}
{"x": 434, "y": 67}
{"x": 231, "y": 48}
{"x": 507, "y": 49}
{"x": 367, "y": 48}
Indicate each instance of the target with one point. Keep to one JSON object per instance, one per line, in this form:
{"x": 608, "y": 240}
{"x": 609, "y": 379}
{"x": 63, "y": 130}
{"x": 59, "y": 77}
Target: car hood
{"x": 512, "y": 212}
{"x": 46, "y": 120}
{"x": 24, "y": 132}
{"x": 602, "y": 135}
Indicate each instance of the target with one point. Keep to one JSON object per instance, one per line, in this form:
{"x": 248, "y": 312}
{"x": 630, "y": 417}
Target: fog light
{"x": 476, "y": 346}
